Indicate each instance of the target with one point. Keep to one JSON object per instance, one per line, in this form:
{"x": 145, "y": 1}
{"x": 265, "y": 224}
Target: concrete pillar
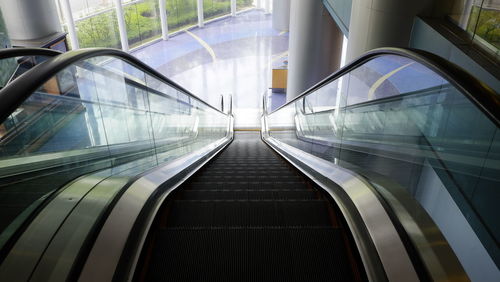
{"x": 281, "y": 15}
{"x": 315, "y": 46}
{"x": 382, "y": 23}
{"x": 30, "y": 19}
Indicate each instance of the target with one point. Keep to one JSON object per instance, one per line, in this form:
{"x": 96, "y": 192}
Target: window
{"x": 96, "y": 23}
{"x": 142, "y": 19}
{"x": 481, "y": 19}
{"x": 181, "y": 14}
{"x": 216, "y": 8}
{"x": 244, "y": 4}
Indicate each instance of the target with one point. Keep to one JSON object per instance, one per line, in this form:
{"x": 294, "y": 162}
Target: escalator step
{"x": 248, "y": 216}
{"x": 248, "y": 172}
{"x": 243, "y": 161}
{"x": 250, "y": 254}
{"x": 247, "y": 178}
{"x": 249, "y": 213}
{"x": 248, "y": 195}
{"x": 257, "y": 168}
{"x": 264, "y": 185}
{"x": 216, "y": 166}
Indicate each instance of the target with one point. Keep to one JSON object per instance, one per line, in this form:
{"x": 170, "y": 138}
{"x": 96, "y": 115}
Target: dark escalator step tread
{"x": 247, "y": 195}
{"x": 268, "y": 159}
{"x": 247, "y": 178}
{"x": 242, "y": 161}
{"x": 247, "y": 168}
{"x": 252, "y": 170}
{"x": 213, "y": 185}
{"x": 248, "y": 164}
{"x": 246, "y": 155}
{"x": 255, "y": 168}
{"x": 249, "y": 213}
{"x": 238, "y": 162}
{"x": 300, "y": 254}
{"x": 246, "y": 173}
{"x": 216, "y": 165}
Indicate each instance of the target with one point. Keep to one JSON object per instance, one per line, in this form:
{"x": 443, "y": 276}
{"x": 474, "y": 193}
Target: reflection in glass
{"x": 395, "y": 120}
{"x": 8, "y": 67}
{"x": 98, "y": 114}
{"x": 12, "y": 68}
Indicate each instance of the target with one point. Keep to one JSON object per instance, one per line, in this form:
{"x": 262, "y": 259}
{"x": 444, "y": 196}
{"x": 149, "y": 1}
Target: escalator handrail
{"x": 27, "y": 52}
{"x": 479, "y": 93}
{"x": 15, "y": 93}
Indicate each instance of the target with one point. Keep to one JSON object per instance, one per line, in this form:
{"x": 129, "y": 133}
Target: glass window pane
{"x": 406, "y": 128}
{"x": 8, "y": 67}
{"x": 244, "y": 4}
{"x": 481, "y": 19}
{"x": 142, "y": 19}
{"x": 96, "y": 23}
{"x": 101, "y": 116}
{"x": 216, "y": 8}
{"x": 487, "y": 28}
{"x": 461, "y": 13}
{"x": 181, "y": 14}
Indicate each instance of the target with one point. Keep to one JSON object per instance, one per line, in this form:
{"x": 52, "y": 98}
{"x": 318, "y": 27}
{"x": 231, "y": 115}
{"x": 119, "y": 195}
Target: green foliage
{"x": 215, "y": 8}
{"x": 99, "y": 31}
{"x": 143, "y": 21}
{"x": 486, "y": 24}
{"x": 181, "y": 13}
{"x": 244, "y": 3}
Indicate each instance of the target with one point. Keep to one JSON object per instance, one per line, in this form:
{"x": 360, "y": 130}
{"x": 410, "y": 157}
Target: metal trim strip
{"x": 107, "y": 250}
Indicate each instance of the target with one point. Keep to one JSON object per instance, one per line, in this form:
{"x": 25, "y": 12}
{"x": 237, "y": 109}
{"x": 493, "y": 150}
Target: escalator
{"x": 110, "y": 171}
{"x": 61, "y": 169}
{"x": 249, "y": 216}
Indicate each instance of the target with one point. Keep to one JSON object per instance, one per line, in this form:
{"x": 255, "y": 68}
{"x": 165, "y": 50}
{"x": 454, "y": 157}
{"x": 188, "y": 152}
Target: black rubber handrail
{"x": 479, "y": 93}
{"x": 15, "y": 93}
{"x": 26, "y": 52}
